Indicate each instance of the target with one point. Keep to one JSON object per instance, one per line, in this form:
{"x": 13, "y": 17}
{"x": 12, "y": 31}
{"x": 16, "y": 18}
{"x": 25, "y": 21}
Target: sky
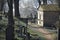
{"x": 25, "y": 3}
{"x": 31, "y": 3}
{"x": 27, "y": 6}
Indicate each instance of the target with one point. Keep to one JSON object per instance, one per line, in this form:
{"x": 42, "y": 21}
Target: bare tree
{"x": 10, "y": 28}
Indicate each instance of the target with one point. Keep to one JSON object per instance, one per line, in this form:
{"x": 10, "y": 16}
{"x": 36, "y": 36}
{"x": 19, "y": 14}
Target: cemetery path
{"x": 45, "y": 32}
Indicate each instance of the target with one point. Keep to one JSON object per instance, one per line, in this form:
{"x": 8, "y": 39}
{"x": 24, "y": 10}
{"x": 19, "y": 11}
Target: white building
{"x": 48, "y": 15}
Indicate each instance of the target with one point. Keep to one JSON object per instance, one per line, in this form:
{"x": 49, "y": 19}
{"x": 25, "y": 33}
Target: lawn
{"x": 34, "y": 34}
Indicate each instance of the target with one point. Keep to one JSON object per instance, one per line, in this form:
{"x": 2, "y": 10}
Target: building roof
{"x": 50, "y": 7}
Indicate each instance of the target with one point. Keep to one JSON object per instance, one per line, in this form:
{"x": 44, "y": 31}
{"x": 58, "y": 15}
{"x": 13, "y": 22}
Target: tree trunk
{"x": 44, "y": 1}
{"x": 39, "y": 2}
{"x": 59, "y": 34}
{"x": 1, "y": 4}
{"x": 1, "y": 8}
{"x": 16, "y": 5}
{"x": 59, "y": 27}
{"x": 10, "y": 28}
{"x": 59, "y": 20}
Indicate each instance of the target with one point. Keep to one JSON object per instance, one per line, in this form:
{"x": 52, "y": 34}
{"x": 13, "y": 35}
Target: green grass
{"x": 2, "y": 35}
{"x": 33, "y": 33}
{"x": 36, "y": 34}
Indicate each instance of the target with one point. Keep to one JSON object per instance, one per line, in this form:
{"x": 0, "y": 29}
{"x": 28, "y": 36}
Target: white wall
{"x": 40, "y": 18}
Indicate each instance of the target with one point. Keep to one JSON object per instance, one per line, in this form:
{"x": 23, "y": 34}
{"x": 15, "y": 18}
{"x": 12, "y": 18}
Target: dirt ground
{"x": 48, "y": 35}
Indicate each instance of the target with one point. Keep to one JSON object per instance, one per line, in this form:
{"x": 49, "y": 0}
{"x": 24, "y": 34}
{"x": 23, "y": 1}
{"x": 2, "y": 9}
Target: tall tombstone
{"x": 20, "y": 28}
{"x": 25, "y": 20}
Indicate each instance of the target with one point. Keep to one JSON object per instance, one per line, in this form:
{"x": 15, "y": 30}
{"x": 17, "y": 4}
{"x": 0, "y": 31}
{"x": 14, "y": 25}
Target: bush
{"x": 16, "y": 39}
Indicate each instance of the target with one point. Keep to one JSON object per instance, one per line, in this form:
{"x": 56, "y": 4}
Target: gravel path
{"x": 45, "y": 32}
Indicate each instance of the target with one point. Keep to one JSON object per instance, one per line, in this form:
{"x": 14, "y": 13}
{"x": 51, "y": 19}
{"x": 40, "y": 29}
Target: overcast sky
{"x": 31, "y": 3}
{"x": 25, "y": 3}
{"x": 26, "y": 6}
